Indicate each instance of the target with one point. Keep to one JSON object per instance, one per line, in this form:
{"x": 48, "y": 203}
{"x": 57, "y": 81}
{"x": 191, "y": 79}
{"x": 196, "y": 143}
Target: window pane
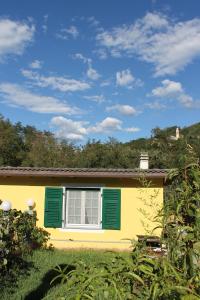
{"x": 95, "y": 212}
{"x": 77, "y": 211}
{"x": 91, "y": 207}
{"x": 74, "y": 207}
{"x": 83, "y": 206}
{"x": 88, "y": 203}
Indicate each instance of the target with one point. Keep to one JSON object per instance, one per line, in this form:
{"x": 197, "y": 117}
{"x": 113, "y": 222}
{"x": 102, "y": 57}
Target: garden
{"x": 31, "y": 269}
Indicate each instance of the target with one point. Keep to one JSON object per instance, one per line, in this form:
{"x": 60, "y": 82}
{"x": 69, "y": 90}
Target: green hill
{"x": 26, "y": 146}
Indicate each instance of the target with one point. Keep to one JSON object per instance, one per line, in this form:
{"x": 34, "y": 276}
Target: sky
{"x": 97, "y": 69}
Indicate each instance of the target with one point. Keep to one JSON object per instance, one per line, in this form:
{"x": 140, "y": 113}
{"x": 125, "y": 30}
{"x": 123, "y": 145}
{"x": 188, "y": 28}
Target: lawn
{"x": 35, "y": 284}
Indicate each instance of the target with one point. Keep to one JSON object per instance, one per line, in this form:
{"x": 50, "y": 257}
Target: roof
{"x": 81, "y": 172}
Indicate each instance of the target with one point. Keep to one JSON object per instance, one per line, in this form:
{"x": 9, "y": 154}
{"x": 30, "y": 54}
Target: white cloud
{"x": 69, "y": 129}
{"x": 66, "y": 33}
{"x": 173, "y": 90}
{"x": 101, "y": 53}
{"x": 92, "y": 73}
{"x": 106, "y": 82}
{"x": 95, "y": 98}
{"x": 187, "y": 101}
{"x": 93, "y": 21}
{"x": 14, "y": 37}
{"x": 107, "y": 125}
{"x": 36, "y": 64}
{"x": 115, "y": 53}
{"x": 123, "y": 109}
{"x": 169, "y": 88}
{"x": 110, "y": 124}
{"x": 132, "y": 129}
{"x": 79, "y": 130}
{"x": 155, "y": 105}
{"x": 126, "y": 79}
{"x": 82, "y": 57}
{"x": 44, "y": 26}
{"x": 156, "y": 39}
{"x": 73, "y": 31}
{"x": 56, "y": 82}
{"x": 17, "y": 96}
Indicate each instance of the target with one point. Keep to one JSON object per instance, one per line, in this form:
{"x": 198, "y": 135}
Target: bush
{"x": 143, "y": 277}
{"x": 19, "y": 235}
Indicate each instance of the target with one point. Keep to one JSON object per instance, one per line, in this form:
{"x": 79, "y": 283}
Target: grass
{"x": 35, "y": 284}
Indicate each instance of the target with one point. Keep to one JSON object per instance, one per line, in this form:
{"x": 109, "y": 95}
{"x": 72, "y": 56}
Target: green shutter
{"x": 53, "y": 207}
{"x": 111, "y": 213}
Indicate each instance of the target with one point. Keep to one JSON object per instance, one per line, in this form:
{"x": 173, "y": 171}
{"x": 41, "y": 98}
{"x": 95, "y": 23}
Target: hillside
{"x": 26, "y": 146}
{"x": 192, "y": 131}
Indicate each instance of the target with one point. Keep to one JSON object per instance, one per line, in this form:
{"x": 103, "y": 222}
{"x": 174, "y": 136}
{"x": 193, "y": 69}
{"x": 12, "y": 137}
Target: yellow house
{"x": 85, "y": 208}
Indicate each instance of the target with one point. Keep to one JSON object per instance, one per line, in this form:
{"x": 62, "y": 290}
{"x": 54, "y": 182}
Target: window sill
{"x": 82, "y": 230}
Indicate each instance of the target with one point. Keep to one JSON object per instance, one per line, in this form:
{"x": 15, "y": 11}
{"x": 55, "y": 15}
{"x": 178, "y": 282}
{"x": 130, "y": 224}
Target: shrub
{"x": 19, "y": 235}
{"x": 143, "y": 277}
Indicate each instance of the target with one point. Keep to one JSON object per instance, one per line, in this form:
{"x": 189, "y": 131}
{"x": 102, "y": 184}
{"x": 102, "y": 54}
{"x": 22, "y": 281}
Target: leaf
{"x": 182, "y": 289}
{"x": 155, "y": 290}
{"x": 146, "y": 270}
{"x": 147, "y": 260}
{"x": 115, "y": 287}
{"x": 190, "y": 297}
{"x": 173, "y": 270}
{"x": 136, "y": 277}
{"x": 55, "y": 278}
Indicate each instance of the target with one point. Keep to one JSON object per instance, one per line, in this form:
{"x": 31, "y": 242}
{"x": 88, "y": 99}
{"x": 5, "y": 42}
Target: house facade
{"x": 87, "y": 208}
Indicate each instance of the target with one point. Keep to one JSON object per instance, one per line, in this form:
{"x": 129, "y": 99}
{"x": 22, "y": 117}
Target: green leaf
{"x": 181, "y": 289}
{"x": 136, "y": 277}
{"x": 190, "y": 297}
{"x": 146, "y": 269}
{"x": 155, "y": 291}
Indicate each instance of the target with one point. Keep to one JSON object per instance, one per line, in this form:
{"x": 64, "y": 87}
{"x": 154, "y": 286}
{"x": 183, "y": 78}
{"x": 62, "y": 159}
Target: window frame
{"x": 66, "y": 225}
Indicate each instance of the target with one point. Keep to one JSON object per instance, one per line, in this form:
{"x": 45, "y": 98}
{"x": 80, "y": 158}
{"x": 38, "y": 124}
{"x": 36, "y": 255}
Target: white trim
{"x": 66, "y": 214}
{"x": 89, "y": 230}
{"x": 63, "y": 208}
{"x": 81, "y": 227}
{"x": 84, "y": 226}
{"x": 83, "y": 185}
{"x": 100, "y": 210}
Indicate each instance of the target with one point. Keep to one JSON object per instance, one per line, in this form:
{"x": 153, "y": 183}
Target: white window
{"x": 83, "y": 208}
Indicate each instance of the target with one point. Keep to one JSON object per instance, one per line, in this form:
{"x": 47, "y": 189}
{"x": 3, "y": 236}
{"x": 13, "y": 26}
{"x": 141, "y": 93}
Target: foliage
{"x": 175, "y": 274}
{"x": 18, "y": 236}
{"x": 26, "y": 146}
{"x": 182, "y": 220}
{"x": 144, "y": 277}
{"x": 11, "y": 144}
{"x": 36, "y": 283}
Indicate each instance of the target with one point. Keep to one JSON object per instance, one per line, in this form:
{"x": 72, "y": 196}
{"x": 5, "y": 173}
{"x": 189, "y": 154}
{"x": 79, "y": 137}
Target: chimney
{"x": 144, "y": 161}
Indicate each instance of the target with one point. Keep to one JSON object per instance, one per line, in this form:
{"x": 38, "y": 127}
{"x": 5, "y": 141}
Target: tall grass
{"x": 35, "y": 284}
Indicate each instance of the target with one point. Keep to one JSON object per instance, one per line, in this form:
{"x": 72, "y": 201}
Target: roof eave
{"x": 82, "y": 175}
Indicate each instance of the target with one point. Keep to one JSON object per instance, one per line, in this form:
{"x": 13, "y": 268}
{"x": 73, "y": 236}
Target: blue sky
{"x": 93, "y": 69}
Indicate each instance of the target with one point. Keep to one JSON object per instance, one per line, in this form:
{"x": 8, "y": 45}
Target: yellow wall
{"x": 133, "y": 197}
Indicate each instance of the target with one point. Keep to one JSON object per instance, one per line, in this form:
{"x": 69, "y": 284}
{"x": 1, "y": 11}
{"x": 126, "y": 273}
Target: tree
{"x": 11, "y": 144}
{"x": 46, "y": 151}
